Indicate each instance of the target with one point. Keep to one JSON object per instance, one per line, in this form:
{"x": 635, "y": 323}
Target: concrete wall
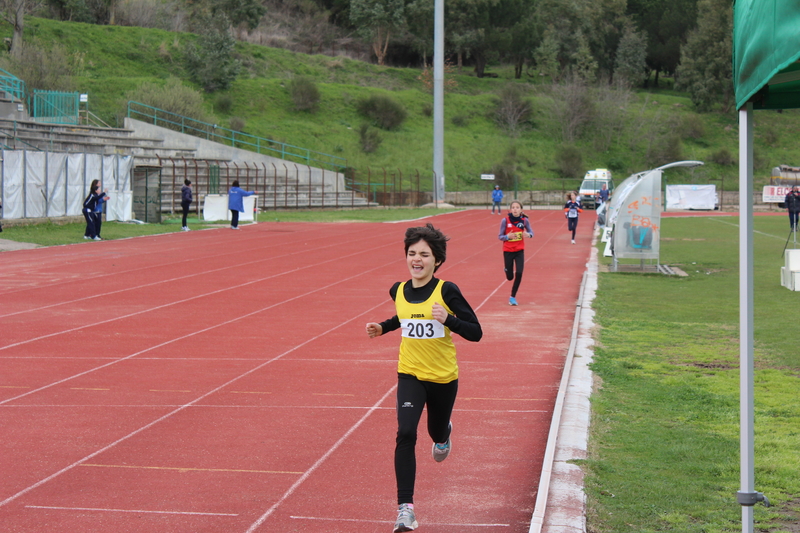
{"x": 205, "y": 149}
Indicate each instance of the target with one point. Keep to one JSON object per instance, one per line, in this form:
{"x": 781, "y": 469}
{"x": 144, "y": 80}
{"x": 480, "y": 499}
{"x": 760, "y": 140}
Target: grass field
{"x": 664, "y": 446}
{"x": 664, "y": 443}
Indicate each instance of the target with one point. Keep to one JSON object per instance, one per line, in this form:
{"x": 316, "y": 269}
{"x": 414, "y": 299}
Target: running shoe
{"x": 98, "y": 239}
{"x": 512, "y": 301}
{"x": 441, "y": 451}
{"x": 406, "y": 520}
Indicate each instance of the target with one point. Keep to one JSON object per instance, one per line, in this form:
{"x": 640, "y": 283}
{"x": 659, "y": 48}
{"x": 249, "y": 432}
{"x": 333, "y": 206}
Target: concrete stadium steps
{"x": 26, "y": 135}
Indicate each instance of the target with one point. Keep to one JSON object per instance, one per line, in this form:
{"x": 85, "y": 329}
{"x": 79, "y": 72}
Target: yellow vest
{"x": 427, "y": 351}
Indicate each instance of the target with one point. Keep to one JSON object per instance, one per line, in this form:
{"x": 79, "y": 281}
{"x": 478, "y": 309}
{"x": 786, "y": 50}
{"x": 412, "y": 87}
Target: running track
{"x": 221, "y": 381}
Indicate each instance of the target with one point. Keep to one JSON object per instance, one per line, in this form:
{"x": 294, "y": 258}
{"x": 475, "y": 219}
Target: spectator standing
{"x": 186, "y": 201}
{"x": 236, "y": 202}
{"x": 497, "y": 198}
{"x": 98, "y": 214}
{"x": 89, "y": 206}
{"x": 792, "y": 202}
{"x": 603, "y": 195}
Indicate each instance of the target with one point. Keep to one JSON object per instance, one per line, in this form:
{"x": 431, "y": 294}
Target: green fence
{"x": 55, "y": 107}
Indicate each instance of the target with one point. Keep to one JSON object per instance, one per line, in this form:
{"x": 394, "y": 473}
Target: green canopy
{"x": 766, "y": 48}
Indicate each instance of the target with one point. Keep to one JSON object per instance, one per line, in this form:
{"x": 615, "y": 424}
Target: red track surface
{"x": 222, "y": 381}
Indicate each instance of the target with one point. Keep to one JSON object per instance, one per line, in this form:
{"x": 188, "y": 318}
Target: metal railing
{"x": 235, "y": 139}
{"x": 54, "y": 107}
{"x": 14, "y": 86}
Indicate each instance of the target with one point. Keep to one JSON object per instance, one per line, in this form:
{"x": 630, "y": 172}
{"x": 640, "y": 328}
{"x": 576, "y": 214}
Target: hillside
{"x": 627, "y": 132}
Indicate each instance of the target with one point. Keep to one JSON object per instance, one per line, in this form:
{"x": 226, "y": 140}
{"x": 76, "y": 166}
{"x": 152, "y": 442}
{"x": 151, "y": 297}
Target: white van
{"x": 592, "y": 183}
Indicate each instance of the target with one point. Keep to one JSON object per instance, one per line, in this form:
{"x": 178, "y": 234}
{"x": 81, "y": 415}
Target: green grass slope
{"x": 116, "y": 60}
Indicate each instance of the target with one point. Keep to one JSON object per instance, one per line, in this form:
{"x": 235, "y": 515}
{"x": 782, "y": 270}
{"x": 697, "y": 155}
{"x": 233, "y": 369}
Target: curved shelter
{"x": 634, "y": 215}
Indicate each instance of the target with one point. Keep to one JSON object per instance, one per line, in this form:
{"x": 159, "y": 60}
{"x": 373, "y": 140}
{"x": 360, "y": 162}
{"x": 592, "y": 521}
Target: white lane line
{"x": 145, "y": 285}
{"x": 189, "y": 335}
{"x": 364, "y": 521}
{"x": 319, "y": 461}
{"x": 181, "y": 408}
{"x": 125, "y": 510}
{"x": 204, "y": 295}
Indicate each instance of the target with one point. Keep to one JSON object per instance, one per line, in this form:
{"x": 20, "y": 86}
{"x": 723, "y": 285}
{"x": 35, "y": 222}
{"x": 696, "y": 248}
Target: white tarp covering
{"x": 691, "y": 197}
{"x": 42, "y": 184}
{"x": 215, "y": 207}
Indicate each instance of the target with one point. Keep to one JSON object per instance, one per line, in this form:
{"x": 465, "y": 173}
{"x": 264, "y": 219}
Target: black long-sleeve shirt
{"x": 463, "y": 320}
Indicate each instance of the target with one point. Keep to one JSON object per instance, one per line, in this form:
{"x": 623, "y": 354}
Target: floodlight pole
{"x": 438, "y": 99}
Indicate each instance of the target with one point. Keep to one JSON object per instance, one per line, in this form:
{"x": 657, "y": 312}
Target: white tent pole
{"x": 746, "y": 404}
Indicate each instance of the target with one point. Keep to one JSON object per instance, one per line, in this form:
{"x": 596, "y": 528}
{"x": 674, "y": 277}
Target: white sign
{"x": 775, "y": 194}
{"x": 487, "y": 176}
{"x": 84, "y": 98}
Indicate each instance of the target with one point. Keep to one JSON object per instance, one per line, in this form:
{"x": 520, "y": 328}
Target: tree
{"x": 210, "y": 60}
{"x": 546, "y": 55}
{"x": 705, "y": 70}
{"x": 630, "y": 65}
{"x": 378, "y": 20}
{"x": 247, "y": 12}
{"x": 666, "y": 25}
{"x": 585, "y": 66}
{"x": 469, "y": 30}
{"x": 14, "y": 13}
{"x": 419, "y": 24}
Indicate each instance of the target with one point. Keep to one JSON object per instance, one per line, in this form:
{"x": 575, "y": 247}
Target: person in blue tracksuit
{"x": 98, "y": 214}
{"x": 497, "y": 198}
{"x": 89, "y": 207}
{"x": 236, "y": 202}
{"x": 186, "y": 201}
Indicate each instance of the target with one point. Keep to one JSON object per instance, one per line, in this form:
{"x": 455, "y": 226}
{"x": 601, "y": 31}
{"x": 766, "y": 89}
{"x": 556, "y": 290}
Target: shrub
{"x": 304, "y": 94}
{"x": 384, "y": 111}
{"x": 573, "y": 108}
{"x": 237, "y": 123}
{"x": 48, "y": 69}
{"x": 512, "y": 110}
{"x": 569, "y": 161}
{"x": 460, "y": 120}
{"x": 504, "y": 174}
{"x": 692, "y": 127}
{"x": 722, "y": 157}
{"x": 666, "y": 149}
{"x": 173, "y": 97}
{"x": 370, "y": 138}
{"x": 427, "y": 110}
{"x": 771, "y": 137}
{"x": 223, "y": 104}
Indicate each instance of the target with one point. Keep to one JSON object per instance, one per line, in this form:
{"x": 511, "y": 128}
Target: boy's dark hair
{"x": 187, "y": 181}
{"x": 235, "y": 183}
{"x": 435, "y": 239}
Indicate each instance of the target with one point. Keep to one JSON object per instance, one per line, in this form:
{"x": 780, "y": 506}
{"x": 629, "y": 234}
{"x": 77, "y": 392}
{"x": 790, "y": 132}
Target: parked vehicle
{"x": 592, "y": 183}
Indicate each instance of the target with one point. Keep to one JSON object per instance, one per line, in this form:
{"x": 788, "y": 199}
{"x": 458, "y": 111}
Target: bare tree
{"x": 14, "y": 12}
